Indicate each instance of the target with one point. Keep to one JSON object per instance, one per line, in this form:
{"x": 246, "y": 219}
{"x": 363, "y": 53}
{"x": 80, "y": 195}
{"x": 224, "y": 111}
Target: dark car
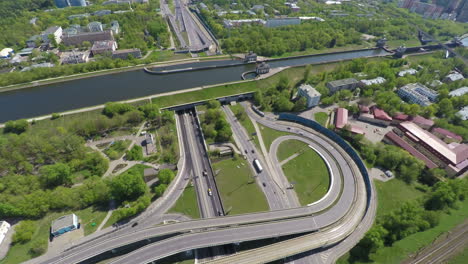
{"x": 253, "y": 151}
{"x": 134, "y": 224}
{"x": 205, "y": 173}
{"x": 246, "y": 151}
{"x": 264, "y": 184}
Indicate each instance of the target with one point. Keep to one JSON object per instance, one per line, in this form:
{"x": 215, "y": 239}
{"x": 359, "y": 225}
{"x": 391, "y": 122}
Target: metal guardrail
{"x": 340, "y": 141}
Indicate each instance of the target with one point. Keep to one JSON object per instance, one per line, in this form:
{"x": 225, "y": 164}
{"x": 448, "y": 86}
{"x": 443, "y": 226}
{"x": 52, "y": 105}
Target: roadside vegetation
{"x": 117, "y": 149}
{"x": 187, "y": 204}
{"x": 245, "y": 121}
{"x": 417, "y": 233}
{"x": 308, "y": 174}
{"x": 214, "y": 124}
{"x": 321, "y": 118}
{"x": 240, "y": 193}
{"x": 290, "y": 147}
{"x": 269, "y": 135}
{"x": 47, "y": 171}
{"x": 32, "y": 237}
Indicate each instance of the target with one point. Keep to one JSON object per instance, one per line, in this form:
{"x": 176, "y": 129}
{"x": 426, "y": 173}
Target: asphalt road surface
{"x": 343, "y": 214}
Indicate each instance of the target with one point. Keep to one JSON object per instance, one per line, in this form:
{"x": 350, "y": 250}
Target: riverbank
{"x": 107, "y": 72}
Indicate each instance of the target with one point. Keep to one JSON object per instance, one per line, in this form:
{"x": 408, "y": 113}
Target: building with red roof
{"x": 341, "y": 120}
{"x": 445, "y": 135}
{"x": 422, "y": 122}
{"x": 381, "y": 114}
{"x": 451, "y": 157}
{"x": 364, "y": 109}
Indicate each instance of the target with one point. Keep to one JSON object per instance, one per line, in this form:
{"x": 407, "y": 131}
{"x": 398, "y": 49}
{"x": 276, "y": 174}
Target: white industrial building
{"x": 309, "y": 92}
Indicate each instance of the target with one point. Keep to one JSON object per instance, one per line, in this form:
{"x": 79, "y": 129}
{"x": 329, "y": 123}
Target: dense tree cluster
{"x": 214, "y": 124}
{"x": 135, "y": 153}
{"x": 394, "y": 23}
{"x": 411, "y": 217}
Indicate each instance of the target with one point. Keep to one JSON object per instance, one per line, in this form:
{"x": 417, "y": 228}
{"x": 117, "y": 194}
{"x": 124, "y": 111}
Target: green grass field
{"x": 269, "y": 135}
{"x": 293, "y": 74}
{"x": 20, "y": 252}
{"x": 289, "y": 147}
{"x": 187, "y": 204}
{"x": 393, "y": 193}
{"x": 401, "y": 249}
{"x": 460, "y": 258}
{"x": 321, "y": 118}
{"x": 309, "y": 174}
{"x": 239, "y": 192}
{"x": 117, "y": 149}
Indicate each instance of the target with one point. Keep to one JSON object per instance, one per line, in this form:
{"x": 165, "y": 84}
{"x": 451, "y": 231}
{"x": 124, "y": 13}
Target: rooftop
{"x": 343, "y": 82}
{"x": 447, "y": 133}
{"x": 403, "y": 144}
{"x": 106, "y": 44}
{"x": 309, "y": 90}
{"x": 51, "y": 30}
{"x": 459, "y": 92}
{"x": 455, "y": 156}
{"x": 381, "y": 114}
{"x": 401, "y": 117}
{"x": 62, "y": 222}
{"x": 463, "y": 113}
{"x": 341, "y": 118}
{"x": 378, "y": 80}
{"x": 422, "y": 121}
{"x": 408, "y": 71}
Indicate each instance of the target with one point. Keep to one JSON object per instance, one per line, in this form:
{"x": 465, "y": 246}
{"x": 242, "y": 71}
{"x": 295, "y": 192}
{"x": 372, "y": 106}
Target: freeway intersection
{"x": 325, "y": 223}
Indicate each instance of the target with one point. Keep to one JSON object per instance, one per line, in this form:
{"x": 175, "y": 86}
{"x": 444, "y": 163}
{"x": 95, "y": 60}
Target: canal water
{"x": 59, "y": 97}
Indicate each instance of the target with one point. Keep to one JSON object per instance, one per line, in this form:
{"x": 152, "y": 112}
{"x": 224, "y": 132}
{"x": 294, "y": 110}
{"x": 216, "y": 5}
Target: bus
{"x": 257, "y": 165}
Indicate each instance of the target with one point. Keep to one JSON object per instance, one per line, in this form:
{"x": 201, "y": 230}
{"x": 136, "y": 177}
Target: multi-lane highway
{"x": 210, "y": 204}
{"x": 331, "y": 220}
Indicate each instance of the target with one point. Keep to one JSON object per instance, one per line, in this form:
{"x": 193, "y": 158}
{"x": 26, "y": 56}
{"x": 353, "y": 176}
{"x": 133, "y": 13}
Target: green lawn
{"x": 460, "y": 258}
{"x": 321, "y": 118}
{"x": 20, "y": 252}
{"x": 290, "y": 147}
{"x": 187, "y": 204}
{"x": 393, "y": 193}
{"x": 239, "y": 192}
{"x": 293, "y": 74}
{"x": 402, "y": 248}
{"x": 117, "y": 149}
{"x": 310, "y": 174}
{"x": 246, "y": 123}
{"x": 269, "y": 135}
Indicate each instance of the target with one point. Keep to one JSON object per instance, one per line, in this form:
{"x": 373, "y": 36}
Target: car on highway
{"x": 134, "y": 224}
{"x": 264, "y": 184}
{"x": 253, "y": 151}
{"x": 210, "y": 193}
{"x": 205, "y": 173}
{"x": 246, "y": 151}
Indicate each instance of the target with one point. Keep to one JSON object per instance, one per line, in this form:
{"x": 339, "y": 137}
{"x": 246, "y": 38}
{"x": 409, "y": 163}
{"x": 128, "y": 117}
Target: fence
{"x": 337, "y": 139}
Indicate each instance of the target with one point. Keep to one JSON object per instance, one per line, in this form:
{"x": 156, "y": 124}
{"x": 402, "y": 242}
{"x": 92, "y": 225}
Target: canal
{"x": 59, "y": 97}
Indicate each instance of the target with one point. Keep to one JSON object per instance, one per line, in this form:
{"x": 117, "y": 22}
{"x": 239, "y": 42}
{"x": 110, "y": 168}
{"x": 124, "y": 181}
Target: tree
{"x": 55, "y": 175}
{"x": 240, "y": 114}
{"x": 128, "y": 186}
{"x": 445, "y": 107}
{"x": 136, "y": 153}
{"x": 165, "y": 176}
{"x": 283, "y": 83}
{"x": 24, "y": 232}
{"x": 111, "y": 109}
{"x": 373, "y": 240}
{"x": 17, "y": 127}
{"x": 160, "y": 189}
{"x": 224, "y": 134}
{"x": 52, "y": 40}
{"x": 442, "y": 196}
{"x": 300, "y": 105}
{"x": 213, "y": 104}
